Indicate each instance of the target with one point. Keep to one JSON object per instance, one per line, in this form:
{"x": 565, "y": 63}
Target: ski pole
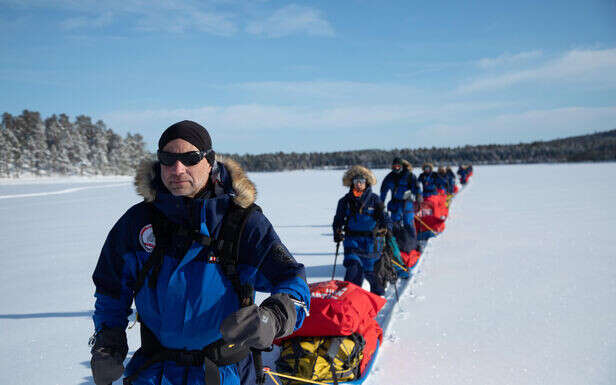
{"x": 258, "y": 363}
{"x": 335, "y": 259}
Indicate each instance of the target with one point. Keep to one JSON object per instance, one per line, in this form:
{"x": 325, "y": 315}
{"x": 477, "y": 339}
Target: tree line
{"x": 593, "y": 147}
{"x": 30, "y": 145}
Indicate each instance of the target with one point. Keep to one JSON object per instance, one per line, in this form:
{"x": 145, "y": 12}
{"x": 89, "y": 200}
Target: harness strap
{"x": 214, "y": 355}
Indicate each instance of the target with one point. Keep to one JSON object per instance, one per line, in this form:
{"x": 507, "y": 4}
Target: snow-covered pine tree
{"x": 58, "y": 142}
{"x": 78, "y": 148}
{"x": 30, "y": 131}
{"x": 97, "y": 142}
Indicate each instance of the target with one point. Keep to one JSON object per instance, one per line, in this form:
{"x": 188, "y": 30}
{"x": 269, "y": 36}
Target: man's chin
{"x": 181, "y": 192}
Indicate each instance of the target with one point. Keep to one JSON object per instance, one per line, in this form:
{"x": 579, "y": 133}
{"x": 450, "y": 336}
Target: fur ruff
{"x": 407, "y": 165}
{"x": 244, "y": 189}
{"x": 347, "y": 178}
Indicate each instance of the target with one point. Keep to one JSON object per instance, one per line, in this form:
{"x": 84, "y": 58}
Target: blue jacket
{"x": 398, "y": 184}
{"x": 192, "y": 295}
{"x": 359, "y": 216}
{"x": 431, "y": 182}
{"x": 444, "y": 182}
{"x": 451, "y": 180}
{"x": 463, "y": 173}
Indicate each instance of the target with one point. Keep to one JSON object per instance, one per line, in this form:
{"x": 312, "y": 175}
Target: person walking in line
{"x": 361, "y": 222}
{"x": 191, "y": 256}
{"x": 405, "y": 199}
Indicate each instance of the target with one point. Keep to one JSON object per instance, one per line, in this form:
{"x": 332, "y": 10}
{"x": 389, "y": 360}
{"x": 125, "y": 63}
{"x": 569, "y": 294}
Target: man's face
{"x": 427, "y": 169}
{"x": 359, "y": 184}
{"x": 396, "y": 167}
{"x": 182, "y": 180}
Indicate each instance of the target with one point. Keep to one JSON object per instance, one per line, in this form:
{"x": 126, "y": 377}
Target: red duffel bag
{"x": 340, "y": 308}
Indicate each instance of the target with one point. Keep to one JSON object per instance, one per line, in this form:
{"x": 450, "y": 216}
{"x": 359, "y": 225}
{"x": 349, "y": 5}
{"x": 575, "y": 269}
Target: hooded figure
{"x": 445, "y": 188}
{"x": 430, "y": 180}
{"x": 451, "y": 180}
{"x": 360, "y": 220}
{"x": 404, "y": 202}
{"x": 194, "y": 304}
{"x": 464, "y": 172}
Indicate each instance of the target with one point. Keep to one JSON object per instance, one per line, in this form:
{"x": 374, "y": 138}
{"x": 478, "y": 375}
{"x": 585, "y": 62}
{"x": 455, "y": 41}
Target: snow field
{"x": 519, "y": 289}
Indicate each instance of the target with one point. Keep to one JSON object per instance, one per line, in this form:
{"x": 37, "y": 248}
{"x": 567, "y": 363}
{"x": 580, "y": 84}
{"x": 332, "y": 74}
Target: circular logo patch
{"x": 147, "y": 239}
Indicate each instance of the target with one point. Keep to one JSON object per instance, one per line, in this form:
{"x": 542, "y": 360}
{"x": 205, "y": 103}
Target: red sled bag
{"x": 340, "y": 308}
{"x": 432, "y": 214}
{"x": 410, "y": 259}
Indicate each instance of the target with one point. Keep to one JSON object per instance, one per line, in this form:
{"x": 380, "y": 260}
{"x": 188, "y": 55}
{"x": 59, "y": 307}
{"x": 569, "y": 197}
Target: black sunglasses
{"x": 187, "y": 158}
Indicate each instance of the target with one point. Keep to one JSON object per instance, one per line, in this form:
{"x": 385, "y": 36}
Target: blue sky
{"x": 267, "y": 76}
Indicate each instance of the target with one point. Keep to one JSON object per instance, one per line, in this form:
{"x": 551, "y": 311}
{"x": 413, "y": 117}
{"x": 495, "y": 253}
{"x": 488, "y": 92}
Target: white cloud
{"x": 414, "y": 123}
{"x": 509, "y": 59}
{"x": 211, "y": 16}
{"x": 292, "y": 19}
{"x": 151, "y": 15}
{"x": 88, "y": 21}
{"x": 595, "y": 67}
{"x": 324, "y": 91}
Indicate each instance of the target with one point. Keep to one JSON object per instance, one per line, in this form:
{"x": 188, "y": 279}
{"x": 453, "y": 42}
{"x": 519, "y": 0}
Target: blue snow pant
{"x": 358, "y": 268}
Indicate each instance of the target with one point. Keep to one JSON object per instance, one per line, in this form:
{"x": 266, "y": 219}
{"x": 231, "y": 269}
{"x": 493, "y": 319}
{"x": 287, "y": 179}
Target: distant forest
{"x": 30, "y": 145}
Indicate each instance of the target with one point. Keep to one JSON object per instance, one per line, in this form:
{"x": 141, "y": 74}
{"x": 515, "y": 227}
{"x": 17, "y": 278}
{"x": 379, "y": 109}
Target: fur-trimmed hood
{"x": 347, "y": 178}
{"x": 407, "y": 165}
{"x": 428, "y": 164}
{"x": 148, "y": 183}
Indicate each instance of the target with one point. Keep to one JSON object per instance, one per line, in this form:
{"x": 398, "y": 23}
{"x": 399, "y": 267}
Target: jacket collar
{"x": 228, "y": 183}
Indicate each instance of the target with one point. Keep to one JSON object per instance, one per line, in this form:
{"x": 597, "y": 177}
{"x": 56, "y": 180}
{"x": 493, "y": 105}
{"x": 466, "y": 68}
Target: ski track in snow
{"x": 519, "y": 289}
{"x": 59, "y": 192}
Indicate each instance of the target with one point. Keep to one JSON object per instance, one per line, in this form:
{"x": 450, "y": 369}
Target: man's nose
{"x": 177, "y": 168}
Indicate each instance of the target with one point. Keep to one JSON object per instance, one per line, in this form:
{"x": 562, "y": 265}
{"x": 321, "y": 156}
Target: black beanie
{"x": 397, "y": 160}
{"x": 192, "y": 132}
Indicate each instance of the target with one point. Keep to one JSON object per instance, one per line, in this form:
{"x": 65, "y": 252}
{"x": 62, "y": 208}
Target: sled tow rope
{"x": 399, "y": 265}
{"x": 426, "y": 226}
{"x": 272, "y": 374}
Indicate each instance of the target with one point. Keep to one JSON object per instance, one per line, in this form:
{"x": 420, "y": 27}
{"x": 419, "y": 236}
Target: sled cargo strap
{"x": 272, "y": 374}
{"x": 332, "y": 352}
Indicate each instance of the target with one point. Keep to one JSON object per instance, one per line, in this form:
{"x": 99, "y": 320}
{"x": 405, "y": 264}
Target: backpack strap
{"x": 228, "y": 249}
{"x": 163, "y": 232}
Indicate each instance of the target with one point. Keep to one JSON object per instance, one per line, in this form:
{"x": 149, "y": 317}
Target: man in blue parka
{"x": 172, "y": 253}
{"x": 405, "y": 199}
{"x": 430, "y": 181}
{"x": 463, "y": 173}
{"x": 445, "y": 185}
{"x": 360, "y": 222}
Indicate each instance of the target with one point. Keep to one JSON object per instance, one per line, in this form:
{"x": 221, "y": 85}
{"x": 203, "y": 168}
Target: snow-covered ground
{"x": 520, "y": 289}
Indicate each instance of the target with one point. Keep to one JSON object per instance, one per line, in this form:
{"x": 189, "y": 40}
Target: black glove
{"x": 338, "y": 236}
{"x": 257, "y": 326}
{"x": 108, "y": 354}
